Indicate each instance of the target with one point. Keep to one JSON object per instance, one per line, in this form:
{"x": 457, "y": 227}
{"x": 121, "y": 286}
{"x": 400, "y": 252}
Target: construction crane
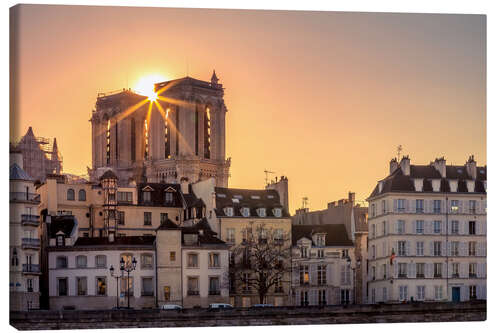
{"x": 267, "y": 172}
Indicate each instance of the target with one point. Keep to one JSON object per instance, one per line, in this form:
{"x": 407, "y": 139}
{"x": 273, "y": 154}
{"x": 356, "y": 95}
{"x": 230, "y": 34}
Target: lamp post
{"x": 358, "y": 264}
{"x": 128, "y": 268}
{"x": 117, "y": 277}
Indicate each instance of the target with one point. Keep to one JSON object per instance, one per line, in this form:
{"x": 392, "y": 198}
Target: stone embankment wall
{"x": 353, "y": 314}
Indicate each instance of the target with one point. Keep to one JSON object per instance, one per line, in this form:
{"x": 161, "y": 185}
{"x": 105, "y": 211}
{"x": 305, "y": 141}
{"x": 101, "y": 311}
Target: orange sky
{"x": 321, "y": 97}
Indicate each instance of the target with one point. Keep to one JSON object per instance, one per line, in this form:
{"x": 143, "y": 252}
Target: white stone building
{"x": 427, "y": 233}
{"x": 322, "y": 265}
{"x": 24, "y": 250}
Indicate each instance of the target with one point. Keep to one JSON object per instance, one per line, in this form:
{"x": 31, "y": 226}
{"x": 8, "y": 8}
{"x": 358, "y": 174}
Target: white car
{"x": 171, "y": 307}
{"x": 220, "y": 306}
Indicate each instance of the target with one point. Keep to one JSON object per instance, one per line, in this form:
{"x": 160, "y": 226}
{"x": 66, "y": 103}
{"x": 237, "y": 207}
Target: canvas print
{"x": 178, "y": 167}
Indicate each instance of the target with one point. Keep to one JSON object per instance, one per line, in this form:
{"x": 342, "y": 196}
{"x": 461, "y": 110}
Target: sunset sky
{"x": 321, "y": 97}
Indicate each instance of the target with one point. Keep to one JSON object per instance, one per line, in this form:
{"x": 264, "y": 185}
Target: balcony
{"x": 214, "y": 292}
{"x": 30, "y": 243}
{"x": 30, "y": 220}
{"x": 31, "y": 269}
{"x": 33, "y": 198}
{"x": 193, "y": 292}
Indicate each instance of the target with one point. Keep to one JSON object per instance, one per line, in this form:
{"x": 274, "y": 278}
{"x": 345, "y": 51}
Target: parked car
{"x": 220, "y": 306}
{"x": 262, "y": 306}
{"x": 171, "y": 307}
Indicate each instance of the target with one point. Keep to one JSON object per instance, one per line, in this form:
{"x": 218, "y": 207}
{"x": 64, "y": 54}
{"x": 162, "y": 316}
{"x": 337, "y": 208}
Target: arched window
{"x": 71, "y": 194}
{"x": 82, "y": 195}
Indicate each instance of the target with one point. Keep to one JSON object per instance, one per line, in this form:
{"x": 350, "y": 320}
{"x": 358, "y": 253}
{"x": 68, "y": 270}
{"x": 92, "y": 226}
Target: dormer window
{"x": 453, "y": 185}
{"x": 235, "y": 200}
{"x": 261, "y": 212}
{"x": 419, "y": 184}
{"x": 169, "y": 197}
{"x": 436, "y": 185}
{"x": 277, "y": 212}
{"x": 256, "y": 197}
{"x": 221, "y": 195}
{"x": 60, "y": 240}
{"x": 245, "y": 211}
{"x": 320, "y": 239}
{"x": 304, "y": 253}
{"x": 470, "y": 185}
{"x": 237, "y": 196}
{"x": 270, "y": 196}
{"x": 146, "y": 196}
{"x": 229, "y": 211}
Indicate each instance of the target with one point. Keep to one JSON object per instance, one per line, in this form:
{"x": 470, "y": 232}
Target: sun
{"x": 145, "y": 85}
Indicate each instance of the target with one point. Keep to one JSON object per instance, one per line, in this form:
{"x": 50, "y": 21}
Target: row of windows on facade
{"x": 435, "y": 206}
{"x": 427, "y": 227}
{"x": 193, "y": 285}
{"x": 431, "y": 270}
{"x": 245, "y": 211}
{"x": 420, "y": 293}
{"x": 101, "y": 287}
{"x": 100, "y": 261}
{"x": 29, "y": 284}
{"x": 320, "y": 275}
{"x": 436, "y": 248}
{"x": 70, "y": 195}
{"x": 319, "y": 297}
{"x": 264, "y": 234}
{"x": 305, "y": 252}
{"x": 123, "y": 197}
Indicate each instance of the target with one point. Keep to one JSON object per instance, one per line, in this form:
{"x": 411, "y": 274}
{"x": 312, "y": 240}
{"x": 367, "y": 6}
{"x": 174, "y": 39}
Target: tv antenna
{"x": 399, "y": 150}
{"x": 267, "y": 172}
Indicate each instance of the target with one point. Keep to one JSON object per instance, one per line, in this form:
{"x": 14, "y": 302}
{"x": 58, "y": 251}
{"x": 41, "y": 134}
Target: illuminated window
{"x": 207, "y": 133}
{"x": 304, "y": 274}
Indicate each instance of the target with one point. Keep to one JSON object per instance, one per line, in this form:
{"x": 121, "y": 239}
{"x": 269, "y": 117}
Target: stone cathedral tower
{"x": 181, "y": 135}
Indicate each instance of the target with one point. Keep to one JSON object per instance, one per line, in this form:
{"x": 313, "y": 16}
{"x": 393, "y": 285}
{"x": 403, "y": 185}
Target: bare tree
{"x": 261, "y": 261}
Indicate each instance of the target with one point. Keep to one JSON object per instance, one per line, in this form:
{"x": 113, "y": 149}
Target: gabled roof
{"x": 168, "y": 225}
{"x": 336, "y": 234}
{"x": 16, "y": 173}
{"x": 253, "y": 199}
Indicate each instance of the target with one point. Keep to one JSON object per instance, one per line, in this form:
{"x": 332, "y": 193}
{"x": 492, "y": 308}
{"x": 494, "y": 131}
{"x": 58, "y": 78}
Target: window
{"x": 437, "y": 227}
{"x": 321, "y": 253}
{"x": 454, "y": 206}
{"x": 147, "y": 286}
{"x": 472, "y": 270}
{"x": 321, "y": 275}
{"x": 472, "y": 227}
{"x": 384, "y": 210}
{"x": 230, "y": 235}
{"x": 438, "y": 292}
{"x": 304, "y": 274}
{"x": 193, "y": 260}
{"x": 403, "y": 293}
{"x": 169, "y": 197}
{"x": 147, "y": 218}
{"x": 261, "y": 212}
{"x": 125, "y": 197}
{"x": 420, "y": 270}
{"x": 454, "y": 248}
{"x": 277, "y": 212}
{"x": 419, "y": 206}
{"x": 61, "y": 262}
{"x": 437, "y": 206}
{"x": 245, "y": 211}
{"x": 322, "y": 297}
{"x": 123, "y": 286}
{"x": 345, "y": 253}
{"x": 420, "y": 227}
{"x": 455, "y": 269}
{"x": 373, "y": 231}
{"x": 384, "y": 227}
{"x": 29, "y": 285}
{"x": 402, "y": 270}
{"x": 100, "y": 261}
{"x": 304, "y": 252}
{"x": 401, "y": 205}
{"x": 472, "y": 248}
{"x": 437, "y": 248}
{"x": 213, "y": 260}
{"x": 263, "y": 236}
{"x": 384, "y": 271}
{"x": 146, "y": 261}
{"x": 121, "y": 218}
{"x": 320, "y": 240}
{"x": 193, "y": 286}
{"x": 401, "y": 227}
{"x": 81, "y": 286}
{"x": 60, "y": 240}
{"x": 373, "y": 209}
{"x": 146, "y": 196}
{"x": 278, "y": 236}
{"x": 166, "y": 293}
{"x": 401, "y": 248}
{"x": 62, "y": 286}
{"x": 228, "y": 211}
{"x": 454, "y": 227}
{"x": 472, "y": 206}
{"x": 374, "y": 252}
{"x": 70, "y": 195}
{"x": 304, "y": 298}
{"x": 374, "y": 272}
{"x": 213, "y": 285}
{"x": 345, "y": 276}
{"x": 172, "y": 255}
{"x": 472, "y": 292}
{"x": 384, "y": 294}
{"x": 82, "y": 195}
{"x": 438, "y": 269}
{"x": 81, "y": 261}
{"x": 420, "y": 293}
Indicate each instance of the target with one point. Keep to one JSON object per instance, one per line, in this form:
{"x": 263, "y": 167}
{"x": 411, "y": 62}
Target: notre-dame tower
{"x": 180, "y": 135}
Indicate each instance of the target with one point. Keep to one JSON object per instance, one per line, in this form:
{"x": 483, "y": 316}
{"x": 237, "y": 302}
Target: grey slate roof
{"x": 336, "y": 234}
{"x": 16, "y": 173}
{"x": 267, "y": 199}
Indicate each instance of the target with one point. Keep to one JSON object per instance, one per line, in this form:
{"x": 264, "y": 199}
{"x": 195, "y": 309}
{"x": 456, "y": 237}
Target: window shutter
{"x": 426, "y": 206}
{"x": 427, "y": 270}
{"x": 395, "y": 207}
{"x": 460, "y": 206}
{"x": 413, "y": 270}
{"x": 408, "y": 248}
{"x": 313, "y": 273}
{"x": 431, "y": 248}
{"x": 448, "y": 249}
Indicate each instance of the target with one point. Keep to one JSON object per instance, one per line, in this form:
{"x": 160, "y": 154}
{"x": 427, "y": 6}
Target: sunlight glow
{"x": 145, "y": 85}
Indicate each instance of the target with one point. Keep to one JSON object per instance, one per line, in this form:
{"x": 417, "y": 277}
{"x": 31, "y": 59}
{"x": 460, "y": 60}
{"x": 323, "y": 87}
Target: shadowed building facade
{"x": 179, "y": 135}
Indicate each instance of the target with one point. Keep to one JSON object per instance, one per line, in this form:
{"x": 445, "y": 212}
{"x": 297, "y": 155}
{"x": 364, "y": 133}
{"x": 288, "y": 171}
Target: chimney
{"x": 440, "y": 165}
{"x": 405, "y": 165}
{"x": 185, "y": 185}
{"x": 470, "y": 166}
{"x": 352, "y": 196}
{"x": 393, "y": 165}
{"x": 281, "y": 187}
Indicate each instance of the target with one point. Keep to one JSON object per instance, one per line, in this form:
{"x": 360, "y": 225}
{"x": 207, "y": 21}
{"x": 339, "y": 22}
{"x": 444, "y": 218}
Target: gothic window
{"x": 207, "y": 133}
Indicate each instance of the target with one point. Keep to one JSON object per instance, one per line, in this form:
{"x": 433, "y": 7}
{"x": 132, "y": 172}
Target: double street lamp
{"x": 124, "y": 267}
{"x": 358, "y": 264}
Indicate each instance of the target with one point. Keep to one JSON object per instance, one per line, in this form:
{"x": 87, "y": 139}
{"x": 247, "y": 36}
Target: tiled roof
{"x": 336, "y": 234}
{"x": 16, "y": 173}
{"x": 253, "y": 199}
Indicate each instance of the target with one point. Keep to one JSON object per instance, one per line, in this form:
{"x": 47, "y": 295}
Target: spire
{"x": 215, "y": 79}
{"x": 55, "y": 150}
{"x": 29, "y": 132}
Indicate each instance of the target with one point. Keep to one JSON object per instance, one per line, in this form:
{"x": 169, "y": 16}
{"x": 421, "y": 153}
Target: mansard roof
{"x": 253, "y": 199}
{"x": 121, "y": 241}
{"x": 16, "y": 173}
{"x": 158, "y": 198}
{"x": 398, "y": 182}
{"x": 205, "y": 233}
{"x": 336, "y": 234}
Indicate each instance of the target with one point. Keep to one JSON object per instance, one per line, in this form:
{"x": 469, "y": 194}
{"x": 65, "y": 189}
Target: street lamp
{"x": 117, "y": 277}
{"x": 358, "y": 264}
{"x": 128, "y": 268}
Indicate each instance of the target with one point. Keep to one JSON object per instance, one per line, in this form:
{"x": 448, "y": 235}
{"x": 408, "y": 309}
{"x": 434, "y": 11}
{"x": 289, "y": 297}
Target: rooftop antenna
{"x": 305, "y": 202}
{"x": 267, "y": 172}
{"x": 399, "y": 150}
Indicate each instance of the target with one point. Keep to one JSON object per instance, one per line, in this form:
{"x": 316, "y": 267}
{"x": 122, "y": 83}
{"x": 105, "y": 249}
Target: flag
{"x": 393, "y": 255}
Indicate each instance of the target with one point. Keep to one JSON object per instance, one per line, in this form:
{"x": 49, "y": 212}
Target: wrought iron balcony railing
{"x": 31, "y": 268}
{"x": 32, "y": 243}
{"x": 24, "y": 196}
{"x": 30, "y": 220}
